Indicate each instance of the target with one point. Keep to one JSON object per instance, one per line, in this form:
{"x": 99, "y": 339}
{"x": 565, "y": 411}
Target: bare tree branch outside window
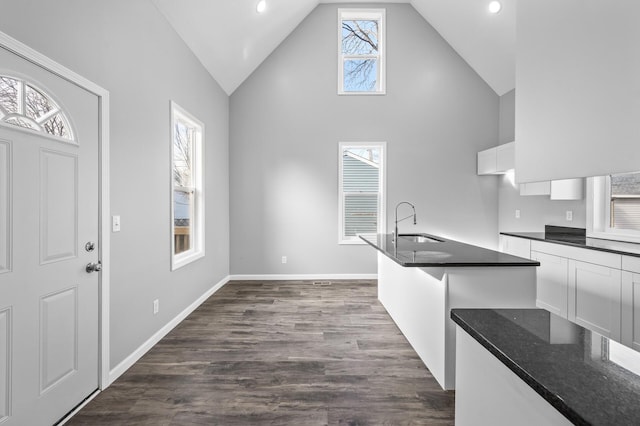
{"x": 9, "y": 94}
{"x": 183, "y": 196}
{"x": 182, "y": 156}
{"x": 25, "y": 106}
{"x": 360, "y": 49}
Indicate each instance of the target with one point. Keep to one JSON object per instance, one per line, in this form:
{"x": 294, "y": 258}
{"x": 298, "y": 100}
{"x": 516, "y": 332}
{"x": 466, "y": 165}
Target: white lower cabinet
{"x": 581, "y": 285}
{"x": 552, "y": 280}
{"x": 595, "y": 298}
{"x": 631, "y": 310}
{"x": 520, "y": 247}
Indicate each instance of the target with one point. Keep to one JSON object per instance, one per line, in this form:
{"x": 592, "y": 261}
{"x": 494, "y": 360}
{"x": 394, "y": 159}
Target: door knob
{"x": 94, "y": 267}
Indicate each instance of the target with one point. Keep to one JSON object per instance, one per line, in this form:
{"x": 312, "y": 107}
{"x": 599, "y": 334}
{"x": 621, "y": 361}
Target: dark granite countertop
{"x": 444, "y": 253}
{"x": 587, "y": 377}
{"x": 576, "y": 237}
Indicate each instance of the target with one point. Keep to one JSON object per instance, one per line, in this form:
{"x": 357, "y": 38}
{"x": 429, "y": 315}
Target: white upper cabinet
{"x": 506, "y": 156}
{"x": 497, "y": 160}
{"x": 577, "y": 86}
{"x": 487, "y": 164}
{"x": 567, "y": 189}
{"x": 536, "y": 188}
{"x": 564, "y": 189}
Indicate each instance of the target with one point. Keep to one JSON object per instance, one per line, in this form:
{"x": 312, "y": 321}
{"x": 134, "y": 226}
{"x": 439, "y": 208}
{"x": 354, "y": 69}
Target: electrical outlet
{"x": 284, "y": 259}
{"x": 156, "y": 306}
{"x": 517, "y": 214}
{"x": 569, "y": 215}
{"x": 115, "y": 223}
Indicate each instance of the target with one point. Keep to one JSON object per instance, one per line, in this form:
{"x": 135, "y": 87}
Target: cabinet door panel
{"x": 535, "y": 188}
{"x": 630, "y": 328}
{"x": 594, "y": 300}
{"x": 552, "y": 278}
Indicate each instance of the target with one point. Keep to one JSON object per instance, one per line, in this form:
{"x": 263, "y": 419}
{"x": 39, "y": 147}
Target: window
{"x": 187, "y": 194}
{"x": 624, "y": 197}
{"x": 24, "y": 105}
{"x": 613, "y": 206}
{"x": 361, "y": 67}
{"x": 361, "y": 190}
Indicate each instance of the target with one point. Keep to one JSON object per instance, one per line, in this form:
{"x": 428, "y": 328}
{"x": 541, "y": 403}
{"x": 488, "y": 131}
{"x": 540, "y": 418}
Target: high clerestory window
{"x": 187, "y": 188}
{"x": 361, "y": 51}
{"x": 24, "y": 105}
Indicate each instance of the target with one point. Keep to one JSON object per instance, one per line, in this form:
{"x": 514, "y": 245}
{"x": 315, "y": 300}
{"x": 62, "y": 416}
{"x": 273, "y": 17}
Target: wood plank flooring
{"x": 278, "y": 353}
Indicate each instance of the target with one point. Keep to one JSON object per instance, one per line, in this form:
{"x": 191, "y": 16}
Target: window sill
{"x": 184, "y": 259}
{"x": 351, "y": 242}
{"x": 611, "y": 236}
{"x": 362, "y": 93}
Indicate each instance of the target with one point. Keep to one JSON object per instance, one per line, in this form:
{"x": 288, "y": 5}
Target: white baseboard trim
{"x": 299, "y": 277}
{"x": 119, "y": 369}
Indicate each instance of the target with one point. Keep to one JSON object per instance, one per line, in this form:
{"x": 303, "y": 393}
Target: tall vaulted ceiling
{"x": 231, "y": 38}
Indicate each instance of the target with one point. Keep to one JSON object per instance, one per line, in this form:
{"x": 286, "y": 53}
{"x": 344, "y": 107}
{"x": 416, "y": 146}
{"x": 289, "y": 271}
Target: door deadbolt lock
{"x": 90, "y": 246}
{"x": 94, "y": 267}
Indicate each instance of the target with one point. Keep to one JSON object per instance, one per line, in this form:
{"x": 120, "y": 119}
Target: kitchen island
{"x": 422, "y": 277}
{"x": 531, "y": 367}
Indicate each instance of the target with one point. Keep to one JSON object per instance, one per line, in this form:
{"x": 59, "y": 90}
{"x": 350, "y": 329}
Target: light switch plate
{"x": 569, "y": 215}
{"x": 115, "y": 223}
{"x": 517, "y": 214}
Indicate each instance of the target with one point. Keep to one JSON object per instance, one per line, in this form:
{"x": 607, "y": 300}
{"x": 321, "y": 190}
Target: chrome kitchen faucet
{"x": 395, "y": 232}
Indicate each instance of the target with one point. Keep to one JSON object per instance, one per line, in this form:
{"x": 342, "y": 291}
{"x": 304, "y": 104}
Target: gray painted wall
{"x": 537, "y": 210}
{"x": 128, "y": 48}
{"x": 287, "y": 120}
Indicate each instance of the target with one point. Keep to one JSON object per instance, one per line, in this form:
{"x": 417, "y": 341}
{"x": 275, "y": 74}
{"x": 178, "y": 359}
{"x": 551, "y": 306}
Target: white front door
{"x": 48, "y": 213}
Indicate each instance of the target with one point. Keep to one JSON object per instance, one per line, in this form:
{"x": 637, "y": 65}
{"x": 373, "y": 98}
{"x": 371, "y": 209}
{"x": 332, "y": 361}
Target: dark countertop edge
{"x": 572, "y": 244}
{"x": 553, "y": 399}
{"x": 449, "y": 264}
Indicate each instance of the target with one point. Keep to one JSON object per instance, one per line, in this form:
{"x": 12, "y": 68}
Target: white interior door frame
{"x": 24, "y": 51}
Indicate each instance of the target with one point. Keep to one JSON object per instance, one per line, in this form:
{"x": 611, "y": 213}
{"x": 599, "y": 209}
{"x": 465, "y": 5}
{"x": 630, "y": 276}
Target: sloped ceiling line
{"x": 231, "y": 39}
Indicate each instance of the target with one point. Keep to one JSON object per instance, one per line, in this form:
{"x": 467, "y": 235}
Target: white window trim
{"x": 367, "y": 14}
{"x": 382, "y": 215}
{"x": 598, "y": 213}
{"x": 197, "y": 227}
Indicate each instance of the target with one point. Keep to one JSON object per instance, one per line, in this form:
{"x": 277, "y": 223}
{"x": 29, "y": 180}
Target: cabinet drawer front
{"x": 584, "y": 255}
{"x": 630, "y": 263}
{"x": 631, "y": 310}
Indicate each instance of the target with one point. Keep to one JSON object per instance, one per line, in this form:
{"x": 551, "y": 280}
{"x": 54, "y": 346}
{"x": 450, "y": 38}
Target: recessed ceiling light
{"x": 262, "y": 6}
{"x": 495, "y": 7}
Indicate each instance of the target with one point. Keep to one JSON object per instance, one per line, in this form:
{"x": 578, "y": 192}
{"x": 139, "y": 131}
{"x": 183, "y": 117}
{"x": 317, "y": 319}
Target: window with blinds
{"x": 624, "y": 199}
{"x": 361, "y": 187}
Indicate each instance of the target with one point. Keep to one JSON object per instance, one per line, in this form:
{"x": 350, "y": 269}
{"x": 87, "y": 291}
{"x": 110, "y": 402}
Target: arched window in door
{"x": 24, "y": 105}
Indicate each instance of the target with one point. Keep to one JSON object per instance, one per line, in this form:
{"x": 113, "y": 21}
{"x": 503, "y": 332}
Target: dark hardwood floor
{"x": 278, "y": 353}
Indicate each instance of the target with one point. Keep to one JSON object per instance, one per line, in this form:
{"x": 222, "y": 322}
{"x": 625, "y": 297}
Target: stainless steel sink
{"x": 418, "y": 238}
{"x": 435, "y": 254}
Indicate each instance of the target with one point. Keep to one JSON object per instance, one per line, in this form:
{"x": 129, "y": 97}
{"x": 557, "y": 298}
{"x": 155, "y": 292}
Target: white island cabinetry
{"x": 419, "y": 300}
